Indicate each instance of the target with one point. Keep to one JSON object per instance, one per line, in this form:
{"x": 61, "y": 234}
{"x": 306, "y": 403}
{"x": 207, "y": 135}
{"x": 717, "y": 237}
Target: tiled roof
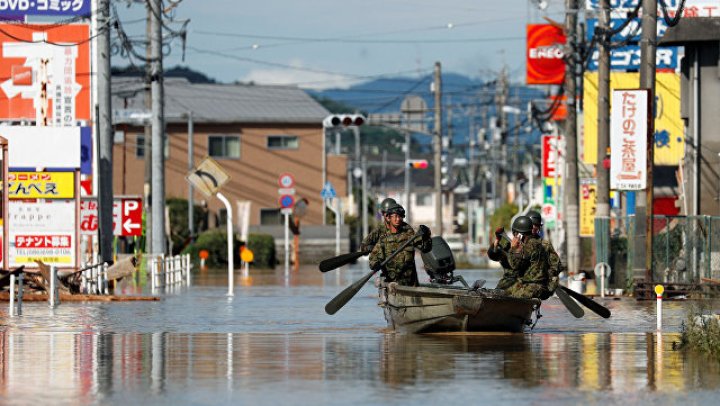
{"x": 223, "y": 103}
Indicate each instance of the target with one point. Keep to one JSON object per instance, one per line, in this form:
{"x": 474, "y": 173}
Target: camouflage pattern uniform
{"x": 498, "y": 252}
{"x": 554, "y": 268}
{"x": 373, "y": 237}
{"x": 401, "y": 268}
{"x": 530, "y": 261}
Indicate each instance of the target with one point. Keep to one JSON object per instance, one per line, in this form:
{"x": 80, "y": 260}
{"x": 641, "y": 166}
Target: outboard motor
{"x": 439, "y": 262}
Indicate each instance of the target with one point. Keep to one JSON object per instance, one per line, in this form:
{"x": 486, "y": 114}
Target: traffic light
{"x": 344, "y": 120}
{"x": 417, "y": 163}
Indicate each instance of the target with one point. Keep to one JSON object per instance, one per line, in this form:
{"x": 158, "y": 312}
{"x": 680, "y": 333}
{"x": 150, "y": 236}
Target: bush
{"x": 263, "y": 249}
{"x": 215, "y": 242}
{"x": 179, "y": 231}
{"x": 503, "y": 216}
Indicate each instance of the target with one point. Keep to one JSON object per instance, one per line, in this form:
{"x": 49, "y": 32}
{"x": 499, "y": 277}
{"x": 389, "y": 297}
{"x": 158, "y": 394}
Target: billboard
{"x": 628, "y": 58}
{"x": 544, "y": 55}
{"x": 551, "y": 150}
{"x": 44, "y": 231}
{"x": 628, "y": 139}
{"x": 45, "y": 71}
{"x": 669, "y": 137}
{"x": 693, "y": 8}
{"x": 20, "y": 8}
{"x": 41, "y": 185}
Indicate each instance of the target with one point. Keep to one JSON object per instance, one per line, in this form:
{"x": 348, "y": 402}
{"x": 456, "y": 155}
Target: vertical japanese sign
{"x": 628, "y": 139}
{"x": 551, "y": 147}
{"x": 588, "y": 205}
{"x": 45, "y": 73}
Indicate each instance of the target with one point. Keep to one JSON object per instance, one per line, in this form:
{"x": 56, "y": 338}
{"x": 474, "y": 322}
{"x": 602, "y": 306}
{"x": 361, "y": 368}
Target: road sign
{"x": 127, "y": 217}
{"x": 208, "y": 177}
{"x": 286, "y": 191}
{"x": 328, "y": 191}
{"x": 286, "y": 180}
{"x": 286, "y": 201}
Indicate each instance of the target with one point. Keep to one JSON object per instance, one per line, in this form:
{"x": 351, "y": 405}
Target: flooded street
{"x": 272, "y": 343}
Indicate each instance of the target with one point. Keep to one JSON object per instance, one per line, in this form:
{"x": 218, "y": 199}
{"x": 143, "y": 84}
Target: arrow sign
{"x": 129, "y": 226}
{"x": 208, "y": 177}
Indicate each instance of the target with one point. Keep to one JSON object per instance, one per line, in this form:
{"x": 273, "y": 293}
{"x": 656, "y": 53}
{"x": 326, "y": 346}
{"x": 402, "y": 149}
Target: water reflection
{"x": 90, "y": 367}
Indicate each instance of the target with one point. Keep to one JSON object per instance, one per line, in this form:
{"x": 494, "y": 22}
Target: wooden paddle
{"x": 594, "y": 306}
{"x": 348, "y": 293}
{"x": 340, "y": 260}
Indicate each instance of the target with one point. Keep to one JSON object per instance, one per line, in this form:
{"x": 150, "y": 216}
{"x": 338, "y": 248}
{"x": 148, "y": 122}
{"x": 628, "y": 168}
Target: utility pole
{"x": 644, "y": 201}
{"x": 501, "y": 100}
{"x": 602, "y": 213}
{"x": 191, "y": 165}
{"x": 105, "y": 178}
{"x": 437, "y": 145}
{"x": 408, "y": 183}
{"x": 571, "y": 195}
{"x": 147, "y": 185}
{"x": 158, "y": 131}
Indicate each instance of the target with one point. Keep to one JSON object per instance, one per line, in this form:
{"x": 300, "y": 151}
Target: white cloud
{"x": 302, "y": 77}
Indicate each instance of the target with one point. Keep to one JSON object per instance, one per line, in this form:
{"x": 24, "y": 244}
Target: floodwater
{"x": 272, "y": 343}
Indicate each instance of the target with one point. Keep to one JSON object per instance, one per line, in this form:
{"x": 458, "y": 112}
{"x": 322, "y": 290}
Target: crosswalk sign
{"x": 328, "y": 191}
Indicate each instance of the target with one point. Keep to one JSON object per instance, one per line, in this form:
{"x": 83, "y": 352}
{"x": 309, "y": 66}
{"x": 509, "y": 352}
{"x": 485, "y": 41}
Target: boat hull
{"x": 428, "y": 309}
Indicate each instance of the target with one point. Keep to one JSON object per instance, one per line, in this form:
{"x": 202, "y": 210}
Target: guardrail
{"x": 94, "y": 279}
{"x": 169, "y": 272}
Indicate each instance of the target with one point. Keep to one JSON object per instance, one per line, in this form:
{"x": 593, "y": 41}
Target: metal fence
{"x": 685, "y": 248}
{"x": 169, "y": 272}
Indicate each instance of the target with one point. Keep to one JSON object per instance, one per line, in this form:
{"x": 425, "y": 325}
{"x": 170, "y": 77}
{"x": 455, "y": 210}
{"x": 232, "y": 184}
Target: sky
{"x": 322, "y": 44}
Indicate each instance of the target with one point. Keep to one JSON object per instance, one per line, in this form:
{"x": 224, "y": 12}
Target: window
{"x": 224, "y": 146}
{"x": 424, "y": 199}
{"x": 140, "y": 146}
{"x": 270, "y": 217}
{"x": 282, "y": 142}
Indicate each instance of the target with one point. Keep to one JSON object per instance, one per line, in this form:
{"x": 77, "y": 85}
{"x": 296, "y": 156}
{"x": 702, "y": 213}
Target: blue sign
{"x": 627, "y": 4}
{"x": 628, "y": 58}
{"x": 634, "y": 29}
{"x": 85, "y": 150}
{"x": 44, "y": 7}
{"x": 328, "y": 191}
{"x": 286, "y": 201}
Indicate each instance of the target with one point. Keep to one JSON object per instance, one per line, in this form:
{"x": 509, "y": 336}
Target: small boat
{"x": 432, "y": 308}
{"x": 443, "y": 307}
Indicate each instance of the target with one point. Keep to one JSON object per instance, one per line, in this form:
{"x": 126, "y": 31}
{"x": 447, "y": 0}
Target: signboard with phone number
{"x": 44, "y": 7}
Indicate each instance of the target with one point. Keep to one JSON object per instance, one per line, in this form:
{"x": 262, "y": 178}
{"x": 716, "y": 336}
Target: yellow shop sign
{"x": 41, "y": 185}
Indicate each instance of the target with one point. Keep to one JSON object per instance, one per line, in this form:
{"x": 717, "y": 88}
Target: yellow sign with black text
{"x": 669, "y": 137}
{"x": 41, "y": 185}
{"x": 588, "y": 205}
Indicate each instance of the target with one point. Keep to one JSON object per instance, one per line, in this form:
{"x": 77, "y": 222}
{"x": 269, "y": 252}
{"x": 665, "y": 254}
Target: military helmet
{"x": 386, "y": 204}
{"x": 522, "y": 225}
{"x": 395, "y": 209}
{"x": 535, "y": 218}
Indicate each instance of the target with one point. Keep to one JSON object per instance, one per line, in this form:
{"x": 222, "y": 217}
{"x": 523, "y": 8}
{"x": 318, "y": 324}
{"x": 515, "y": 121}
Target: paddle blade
{"x": 594, "y": 306}
{"x": 348, "y": 293}
{"x": 570, "y": 304}
{"x": 340, "y": 260}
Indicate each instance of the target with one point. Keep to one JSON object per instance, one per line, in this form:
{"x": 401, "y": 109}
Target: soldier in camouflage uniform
{"x": 378, "y": 232}
{"x": 401, "y": 268}
{"x": 554, "y": 264}
{"x": 498, "y": 252}
{"x": 529, "y": 259}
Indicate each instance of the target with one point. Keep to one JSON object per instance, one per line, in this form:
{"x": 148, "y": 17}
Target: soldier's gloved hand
{"x": 499, "y": 233}
{"x": 424, "y": 231}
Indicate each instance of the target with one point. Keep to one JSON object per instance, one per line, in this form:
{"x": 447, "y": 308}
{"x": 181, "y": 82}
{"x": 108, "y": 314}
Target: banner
{"x": 669, "y": 136}
{"x": 544, "y": 55}
{"x": 41, "y": 185}
{"x": 628, "y": 58}
{"x": 693, "y": 8}
{"x": 45, "y": 70}
{"x": 628, "y": 139}
{"x": 588, "y": 205}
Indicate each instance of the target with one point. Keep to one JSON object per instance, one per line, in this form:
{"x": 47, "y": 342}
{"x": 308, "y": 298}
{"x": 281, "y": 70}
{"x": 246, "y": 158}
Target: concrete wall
{"x": 709, "y": 85}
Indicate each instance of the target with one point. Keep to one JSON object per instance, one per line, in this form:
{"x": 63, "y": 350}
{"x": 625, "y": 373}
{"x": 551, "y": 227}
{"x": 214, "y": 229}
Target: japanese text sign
{"x": 551, "y": 147}
{"x": 44, "y": 7}
{"x": 628, "y": 139}
{"x": 41, "y": 185}
{"x": 45, "y": 73}
{"x": 127, "y": 217}
{"x": 42, "y": 231}
{"x": 544, "y": 54}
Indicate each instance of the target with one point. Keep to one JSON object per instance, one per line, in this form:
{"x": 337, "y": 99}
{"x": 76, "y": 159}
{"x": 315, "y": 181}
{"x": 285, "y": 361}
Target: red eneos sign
{"x": 544, "y": 55}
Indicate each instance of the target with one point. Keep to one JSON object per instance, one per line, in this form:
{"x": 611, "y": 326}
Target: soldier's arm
{"x": 370, "y": 240}
{"x": 517, "y": 259}
{"x": 496, "y": 253}
{"x": 377, "y": 256}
